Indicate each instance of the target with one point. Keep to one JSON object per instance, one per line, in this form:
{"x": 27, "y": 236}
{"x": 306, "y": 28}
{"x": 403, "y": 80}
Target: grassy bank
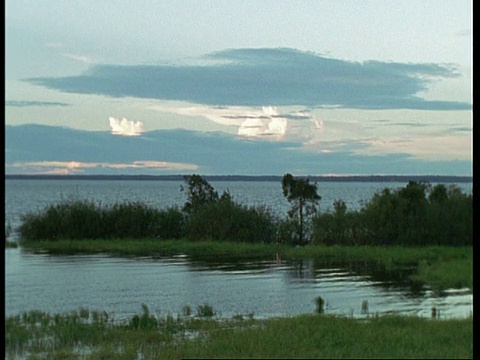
{"x": 440, "y": 266}
{"x": 92, "y": 335}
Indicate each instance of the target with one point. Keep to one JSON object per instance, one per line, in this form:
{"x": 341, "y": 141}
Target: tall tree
{"x": 303, "y": 197}
{"x": 200, "y": 192}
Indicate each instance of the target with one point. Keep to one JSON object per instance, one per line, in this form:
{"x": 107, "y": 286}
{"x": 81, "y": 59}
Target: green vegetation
{"x": 417, "y": 227}
{"x": 11, "y": 244}
{"x": 82, "y": 219}
{"x": 304, "y": 199}
{"x": 414, "y": 215}
{"x": 395, "y": 229}
{"x": 88, "y": 334}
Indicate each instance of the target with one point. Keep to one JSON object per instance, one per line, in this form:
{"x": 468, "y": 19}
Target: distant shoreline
{"x": 272, "y": 178}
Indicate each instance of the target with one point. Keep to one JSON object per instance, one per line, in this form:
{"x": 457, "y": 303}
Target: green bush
{"x": 225, "y": 220}
{"x": 340, "y": 227}
{"x": 414, "y": 215}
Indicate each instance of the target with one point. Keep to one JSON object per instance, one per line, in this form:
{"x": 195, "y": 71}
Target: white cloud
{"x": 126, "y": 127}
{"x": 75, "y": 167}
{"x": 452, "y": 147}
{"x": 267, "y": 122}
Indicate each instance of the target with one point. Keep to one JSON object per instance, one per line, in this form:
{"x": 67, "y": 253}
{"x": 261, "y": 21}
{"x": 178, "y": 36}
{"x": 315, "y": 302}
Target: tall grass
{"x": 77, "y": 335}
{"x": 82, "y": 219}
{"x": 222, "y": 220}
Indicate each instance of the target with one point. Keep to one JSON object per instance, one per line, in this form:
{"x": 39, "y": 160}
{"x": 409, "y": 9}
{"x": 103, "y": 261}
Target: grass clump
{"x": 205, "y": 310}
{"x": 38, "y": 335}
{"x": 82, "y": 219}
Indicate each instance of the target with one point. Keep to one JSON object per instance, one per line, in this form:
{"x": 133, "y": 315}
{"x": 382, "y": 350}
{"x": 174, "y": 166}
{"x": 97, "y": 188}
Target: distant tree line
{"x": 417, "y": 214}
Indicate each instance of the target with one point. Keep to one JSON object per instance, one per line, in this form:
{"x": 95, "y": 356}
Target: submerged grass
{"x": 439, "y": 266}
{"x": 39, "y": 335}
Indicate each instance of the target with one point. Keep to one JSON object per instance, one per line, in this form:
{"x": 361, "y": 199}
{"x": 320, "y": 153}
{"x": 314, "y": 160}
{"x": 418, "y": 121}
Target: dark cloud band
{"x": 256, "y": 77}
{"x": 213, "y": 153}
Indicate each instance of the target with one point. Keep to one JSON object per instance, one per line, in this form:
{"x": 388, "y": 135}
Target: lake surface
{"x": 119, "y": 286}
{"x": 264, "y": 289}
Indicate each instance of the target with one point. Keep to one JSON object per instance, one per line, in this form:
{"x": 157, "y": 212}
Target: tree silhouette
{"x": 200, "y": 192}
{"x": 303, "y": 197}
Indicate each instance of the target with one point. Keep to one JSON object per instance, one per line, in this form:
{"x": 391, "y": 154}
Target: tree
{"x": 200, "y": 193}
{"x": 303, "y": 197}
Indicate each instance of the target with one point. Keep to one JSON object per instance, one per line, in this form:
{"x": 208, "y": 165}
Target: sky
{"x": 239, "y": 87}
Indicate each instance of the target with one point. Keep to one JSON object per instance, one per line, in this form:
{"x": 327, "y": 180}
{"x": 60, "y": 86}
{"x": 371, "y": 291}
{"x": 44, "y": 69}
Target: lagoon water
{"x": 264, "y": 289}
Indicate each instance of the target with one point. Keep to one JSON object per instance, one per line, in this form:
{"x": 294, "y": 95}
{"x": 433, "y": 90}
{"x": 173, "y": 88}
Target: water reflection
{"x": 264, "y": 288}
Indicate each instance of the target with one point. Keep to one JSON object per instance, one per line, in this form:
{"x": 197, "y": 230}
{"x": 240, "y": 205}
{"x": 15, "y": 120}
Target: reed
{"x": 82, "y": 219}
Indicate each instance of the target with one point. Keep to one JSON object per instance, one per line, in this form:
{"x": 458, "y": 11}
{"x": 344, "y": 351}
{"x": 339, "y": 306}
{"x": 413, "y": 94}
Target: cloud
{"x": 25, "y": 103}
{"x": 266, "y": 122}
{"x": 79, "y": 167}
{"x": 255, "y": 77}
{"x": 182, "y": 151}
{"x": 126, "y": 127}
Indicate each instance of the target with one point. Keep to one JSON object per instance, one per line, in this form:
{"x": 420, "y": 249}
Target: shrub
{"x": 406, "y": 216}
{"x": 225, "y": 220}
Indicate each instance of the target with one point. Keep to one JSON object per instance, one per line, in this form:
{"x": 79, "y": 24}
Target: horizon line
{"x": 329, "y": 177}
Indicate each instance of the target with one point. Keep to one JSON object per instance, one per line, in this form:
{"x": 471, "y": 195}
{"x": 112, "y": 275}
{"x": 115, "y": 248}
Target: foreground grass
{"x": 439, "y": 266}
{"x": 91, "y": 335}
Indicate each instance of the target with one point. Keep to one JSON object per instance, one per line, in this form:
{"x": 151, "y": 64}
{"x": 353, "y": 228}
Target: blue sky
{"x": 239, "y": 87}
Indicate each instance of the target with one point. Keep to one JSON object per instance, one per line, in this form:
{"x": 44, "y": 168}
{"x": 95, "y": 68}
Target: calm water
{"x": 120, "y": 286}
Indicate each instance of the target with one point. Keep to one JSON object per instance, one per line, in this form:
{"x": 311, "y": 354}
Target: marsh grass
{"x": 83, "y": 219}
{"x": 39, "y": 335}
{"x": 205, "y": 310}
{"x": 454, "y": 273}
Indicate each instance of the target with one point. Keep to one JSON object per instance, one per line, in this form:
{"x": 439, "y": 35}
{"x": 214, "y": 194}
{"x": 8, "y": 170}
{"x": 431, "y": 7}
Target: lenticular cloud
{"x": 126, "y": 127}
